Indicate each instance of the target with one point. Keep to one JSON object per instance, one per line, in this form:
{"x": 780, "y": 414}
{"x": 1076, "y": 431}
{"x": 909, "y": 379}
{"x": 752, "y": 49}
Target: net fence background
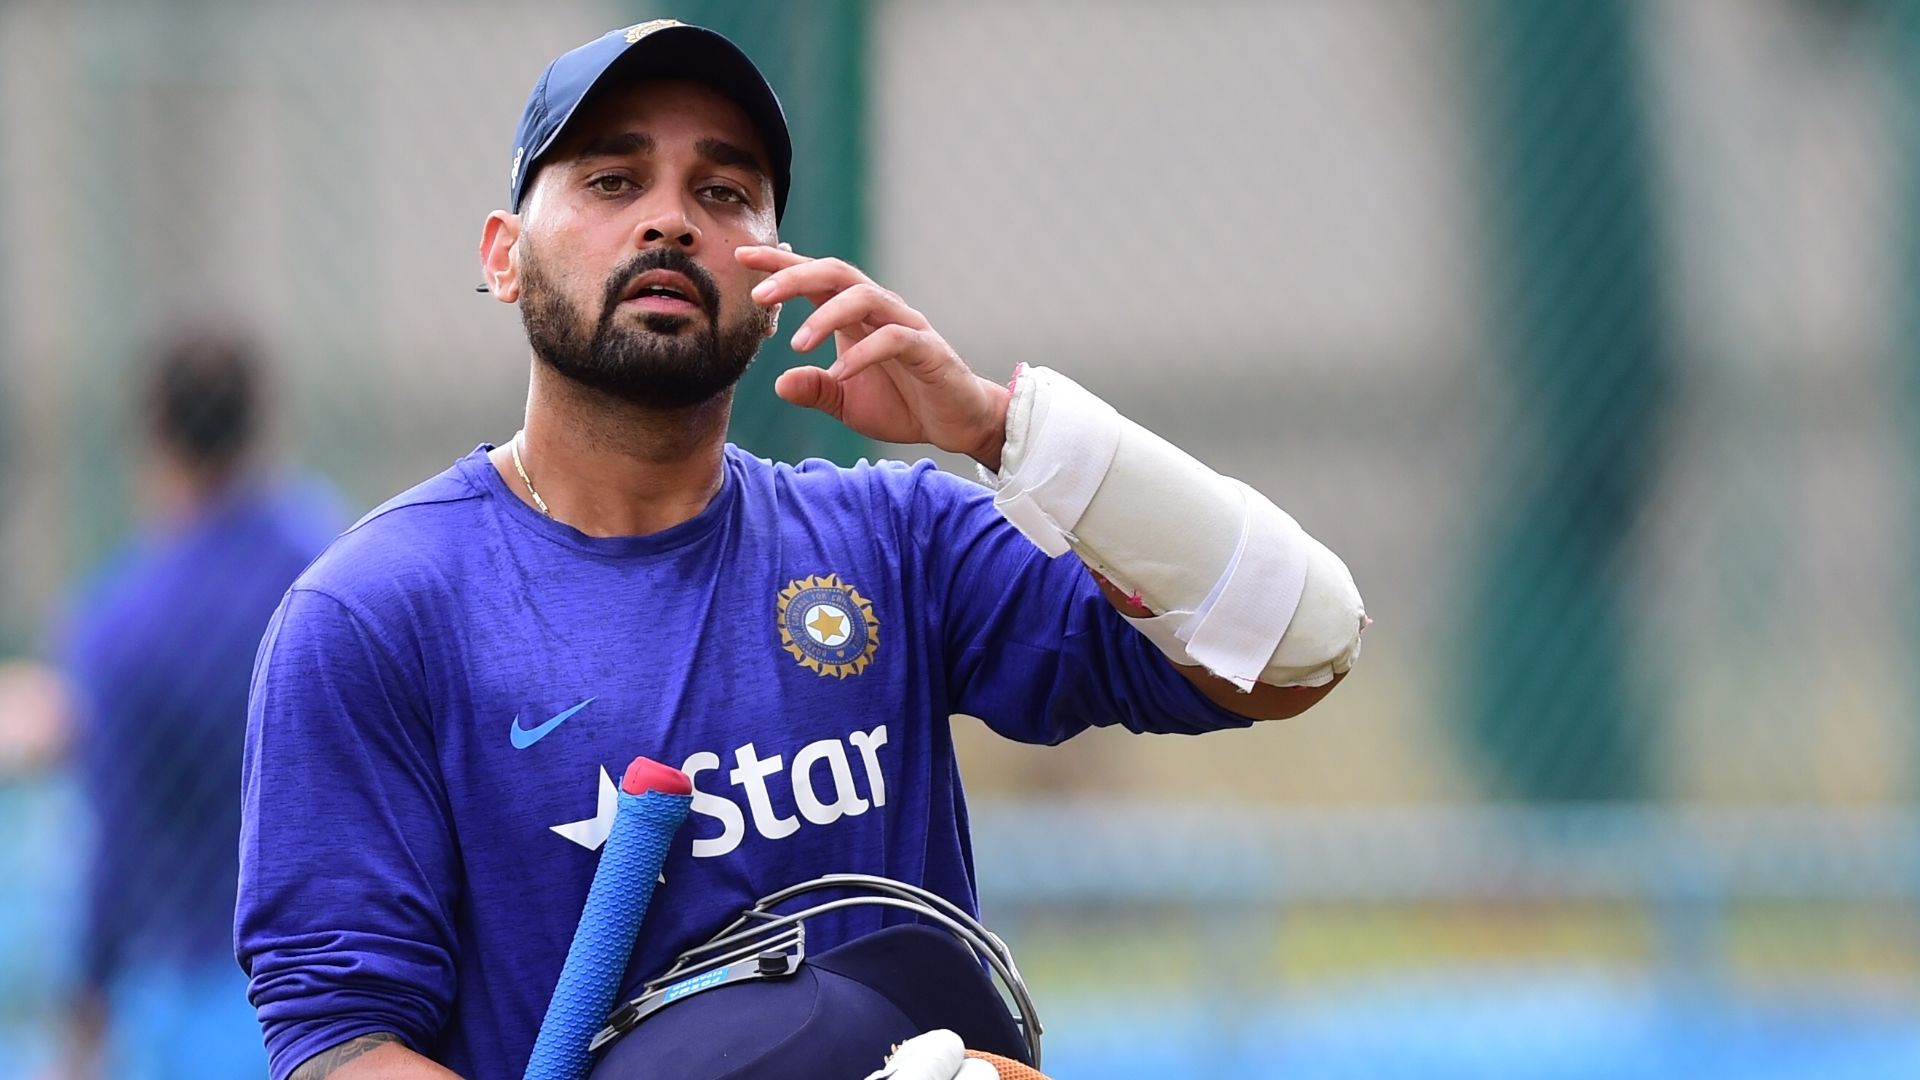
{"x": 1585, "y": 333}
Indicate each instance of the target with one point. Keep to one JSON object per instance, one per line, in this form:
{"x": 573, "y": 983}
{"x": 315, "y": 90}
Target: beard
{"x": 664, "y": 362}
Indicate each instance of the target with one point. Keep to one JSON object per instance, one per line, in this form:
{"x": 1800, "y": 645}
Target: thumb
{"x": 809, "y": 388}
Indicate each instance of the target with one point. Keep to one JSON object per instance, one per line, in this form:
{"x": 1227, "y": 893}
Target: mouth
{"x": 664, "y": 292}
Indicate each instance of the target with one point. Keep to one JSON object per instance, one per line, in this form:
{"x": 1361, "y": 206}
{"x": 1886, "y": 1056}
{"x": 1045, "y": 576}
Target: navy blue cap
{"x": 837, "y": 1015}
{"x": 661, "y": 49}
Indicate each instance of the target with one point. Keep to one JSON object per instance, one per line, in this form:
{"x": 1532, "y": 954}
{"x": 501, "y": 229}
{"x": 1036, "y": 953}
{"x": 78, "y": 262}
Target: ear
{"x": 498, "y": 260}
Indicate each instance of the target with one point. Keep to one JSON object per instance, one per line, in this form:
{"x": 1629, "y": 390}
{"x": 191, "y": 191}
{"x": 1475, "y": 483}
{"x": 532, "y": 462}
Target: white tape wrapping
{"x": 1236, "y": 628}
{"x": 1321, "y": 641}
{"x": 1164, "y": 632}
{"x": 1066, "y": 447}
{"x": 1243, "y": 591}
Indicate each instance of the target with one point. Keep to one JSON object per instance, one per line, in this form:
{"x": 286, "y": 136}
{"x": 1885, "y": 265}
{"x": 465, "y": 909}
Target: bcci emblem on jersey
{"x": 828, "y": 626}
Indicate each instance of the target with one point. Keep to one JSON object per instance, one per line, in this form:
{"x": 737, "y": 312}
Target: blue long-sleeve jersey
{"x": 444, "y": 698}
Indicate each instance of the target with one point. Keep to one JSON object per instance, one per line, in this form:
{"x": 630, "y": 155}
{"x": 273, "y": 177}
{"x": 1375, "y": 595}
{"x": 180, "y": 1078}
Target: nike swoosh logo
{"x": 522, "y": 738}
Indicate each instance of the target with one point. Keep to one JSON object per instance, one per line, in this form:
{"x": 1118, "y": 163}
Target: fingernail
{"x": 801, "y": 337}
{"x": 763, "y": 290}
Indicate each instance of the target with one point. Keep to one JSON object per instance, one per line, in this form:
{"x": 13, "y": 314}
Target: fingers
{"x": 923, "y": 353}
{"x": 861, "y": 303}
{"x": 846, "y": 299}
{"x": 815, "y": 279}
{"x": 768, "y": 258}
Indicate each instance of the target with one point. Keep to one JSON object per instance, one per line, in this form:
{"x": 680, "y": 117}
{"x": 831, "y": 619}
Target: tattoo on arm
{"x": 324, "y": 1063}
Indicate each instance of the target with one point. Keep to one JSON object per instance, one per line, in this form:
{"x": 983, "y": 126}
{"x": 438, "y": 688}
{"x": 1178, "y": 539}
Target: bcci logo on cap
{"x": 639, "y": 30}
{"x": 826, "y": 625}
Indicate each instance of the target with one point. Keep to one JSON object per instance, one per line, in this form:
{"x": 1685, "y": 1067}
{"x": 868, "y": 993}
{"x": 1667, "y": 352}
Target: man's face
{"x": 627, "y": 276}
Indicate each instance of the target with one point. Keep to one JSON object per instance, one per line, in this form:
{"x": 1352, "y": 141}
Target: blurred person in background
{"x": 158, "y": 646}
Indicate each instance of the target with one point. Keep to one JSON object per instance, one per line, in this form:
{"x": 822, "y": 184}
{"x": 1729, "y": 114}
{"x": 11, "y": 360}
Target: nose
{"x": 667, "y": 223}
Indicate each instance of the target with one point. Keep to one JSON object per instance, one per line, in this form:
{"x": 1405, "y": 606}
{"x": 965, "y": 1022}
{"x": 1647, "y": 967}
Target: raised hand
{"x": 893, "y": 377}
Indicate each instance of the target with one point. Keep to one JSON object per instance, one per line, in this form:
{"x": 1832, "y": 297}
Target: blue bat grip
{"x": 643, "y": 829}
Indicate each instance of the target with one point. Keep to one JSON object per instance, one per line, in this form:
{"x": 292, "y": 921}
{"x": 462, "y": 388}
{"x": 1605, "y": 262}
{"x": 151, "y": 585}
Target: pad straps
{"x": 1235, "y": 630}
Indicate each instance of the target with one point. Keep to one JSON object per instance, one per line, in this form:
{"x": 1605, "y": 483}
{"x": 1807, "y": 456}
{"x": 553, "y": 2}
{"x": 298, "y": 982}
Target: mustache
{"x": 664, "y": 259}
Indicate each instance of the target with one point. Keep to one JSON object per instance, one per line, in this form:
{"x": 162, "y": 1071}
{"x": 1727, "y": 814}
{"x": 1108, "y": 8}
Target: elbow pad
{"x": 1240, "y": 587}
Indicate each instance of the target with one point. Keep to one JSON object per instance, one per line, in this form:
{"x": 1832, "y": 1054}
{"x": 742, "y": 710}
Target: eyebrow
{"x": 721, "y": 152}
{"x": 620, "y": 145}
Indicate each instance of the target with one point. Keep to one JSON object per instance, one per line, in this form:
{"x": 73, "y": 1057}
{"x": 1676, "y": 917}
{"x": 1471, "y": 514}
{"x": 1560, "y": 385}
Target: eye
{"x": 723, "y": 193}
{"x": 609, "y": 184}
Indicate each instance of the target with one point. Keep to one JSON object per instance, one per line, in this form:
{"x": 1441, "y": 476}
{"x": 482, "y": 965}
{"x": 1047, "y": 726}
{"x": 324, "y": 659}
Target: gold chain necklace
{"x": 538, "y": 502}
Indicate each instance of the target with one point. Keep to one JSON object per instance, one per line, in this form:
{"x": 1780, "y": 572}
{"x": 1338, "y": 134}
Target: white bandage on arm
{"x": 1242, "y": 590}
